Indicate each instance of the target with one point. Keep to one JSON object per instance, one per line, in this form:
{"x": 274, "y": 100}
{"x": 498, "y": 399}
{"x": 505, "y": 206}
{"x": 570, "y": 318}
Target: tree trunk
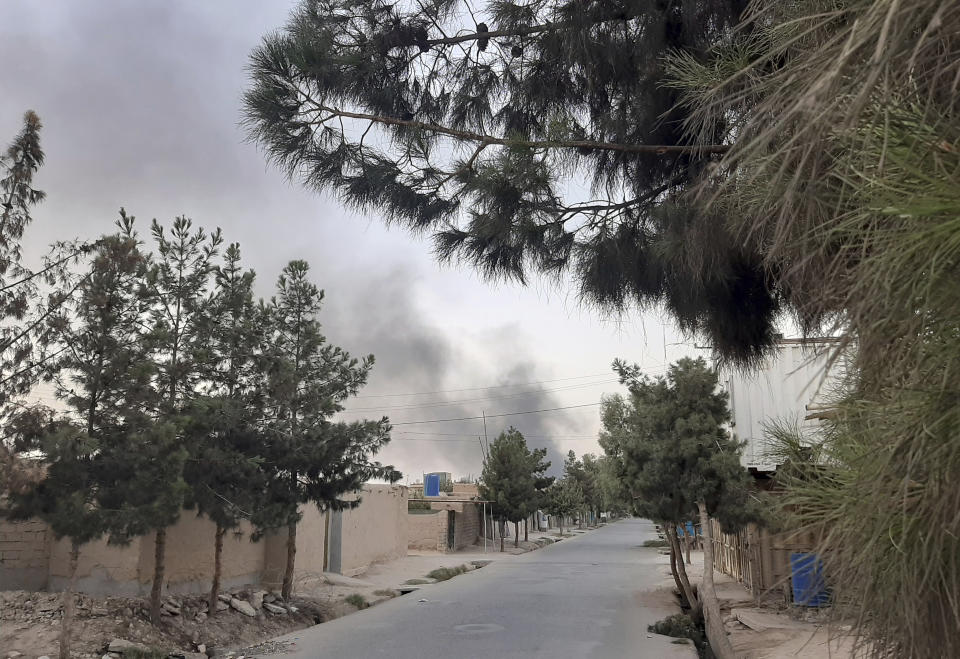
{"x": 695, "y": 606}
{"x": 500, "y": 525}
{"x": 287, "y": 588}
{"x": 686, "y": 545}
{"x": 516, "y": 534}
{"x": 716, "y": 634}
{"x": 159, "y": 553}
{"x": 676, "y": 578}
{"x": 526, "y": 530}
{"x": 560, "y": 517}
{"x": 217, "y": 553}
{"x": 66, "y": 624}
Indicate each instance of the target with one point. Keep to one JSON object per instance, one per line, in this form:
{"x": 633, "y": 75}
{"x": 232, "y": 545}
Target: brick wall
{"x": 422, "y": 531}
{"x": 30, "y": 559}
{"x": 376, "y": 531}
{"x": 466, "y": 527}
{"x": 24, "y": 555}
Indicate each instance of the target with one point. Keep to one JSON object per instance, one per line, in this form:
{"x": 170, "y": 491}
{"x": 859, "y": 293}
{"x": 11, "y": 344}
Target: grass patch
{"x": 444, "y": 573}
{"x": 681, "y": 626}
{"x": 152, "y": 653}
{"x": 415, "y": 582}
{"x": 655, "y": 543}
{"x": 357, "y": 600}
{"x": 385, "y": 593}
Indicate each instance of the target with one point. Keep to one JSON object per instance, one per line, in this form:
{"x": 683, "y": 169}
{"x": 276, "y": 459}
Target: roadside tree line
{"x": 175, "y": 387}
{"x": 514, "y": 480}
{"x": 677, "y": 463}
{"x": 769, "y": 160}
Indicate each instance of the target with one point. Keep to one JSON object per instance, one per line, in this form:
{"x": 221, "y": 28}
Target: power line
{"x": 491, "y": 416}
{"x": 519, "y": 394}
{"x": 472, "y": 439}
{"x": 474, "y": 435}
{"x": 497, "y": 386}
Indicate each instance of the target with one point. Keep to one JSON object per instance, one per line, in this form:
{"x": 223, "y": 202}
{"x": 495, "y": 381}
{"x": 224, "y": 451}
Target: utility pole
{"x": 483, "y": 413}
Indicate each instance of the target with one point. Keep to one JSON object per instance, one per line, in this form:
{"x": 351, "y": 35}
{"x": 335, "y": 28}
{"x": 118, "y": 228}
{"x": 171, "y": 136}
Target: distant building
{"x": 792, "y": 386}
{"x": 466, "y": 491}
{"x": 445, "y": 477}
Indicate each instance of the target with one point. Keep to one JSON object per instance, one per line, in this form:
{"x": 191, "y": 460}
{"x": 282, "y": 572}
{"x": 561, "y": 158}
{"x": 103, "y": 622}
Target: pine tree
{"x": 575, "y": 470}
{"x": 509, "y": 479}
{"x": 178, "y": 280}
{"x": 224, "y": 425}
{"x": 845, "y": 168}
{"x": 18, "y": 164}
{"x": 307, "y": 458}
{"x": 564, "y": 499}
{"x": 681, "y": 463}
{"x": 468, "y": 121}
{"x": 594, "y": 494}
{"x": 25, "y": 354}
{"x": 99, "y": 376}
{"x": 65, "y": 497}
{"x": 541, "y": 484}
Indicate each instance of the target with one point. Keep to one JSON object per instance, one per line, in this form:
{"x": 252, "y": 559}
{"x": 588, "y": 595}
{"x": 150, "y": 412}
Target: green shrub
{"x": 655, "y": 543}
{"x": 680, "y": 625}
{"x": 444, "y": 573}
{"x": 357, "y": 600}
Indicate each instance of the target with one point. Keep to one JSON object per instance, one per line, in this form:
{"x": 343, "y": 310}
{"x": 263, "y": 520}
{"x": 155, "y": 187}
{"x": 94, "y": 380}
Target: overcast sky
{"x": 140, "y": 104}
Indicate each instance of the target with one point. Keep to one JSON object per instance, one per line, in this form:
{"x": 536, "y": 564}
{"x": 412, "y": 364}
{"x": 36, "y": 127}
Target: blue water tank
{"x": 809, "y": 586}
{"x": 431, "y": 485}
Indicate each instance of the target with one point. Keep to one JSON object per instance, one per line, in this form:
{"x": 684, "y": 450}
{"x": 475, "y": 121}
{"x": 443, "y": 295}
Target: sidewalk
{"x": 381, "y": 581}
{"x": 771, "y": 630}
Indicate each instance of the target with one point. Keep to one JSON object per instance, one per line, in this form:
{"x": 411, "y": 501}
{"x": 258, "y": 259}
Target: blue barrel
{"x": 809, "y": 587}
{"x": 431, "y": 485}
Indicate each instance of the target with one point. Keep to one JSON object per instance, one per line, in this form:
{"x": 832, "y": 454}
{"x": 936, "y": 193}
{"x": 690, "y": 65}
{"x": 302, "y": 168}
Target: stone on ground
{"x": 243, "y": 607}
{"x": 121, "y": 645}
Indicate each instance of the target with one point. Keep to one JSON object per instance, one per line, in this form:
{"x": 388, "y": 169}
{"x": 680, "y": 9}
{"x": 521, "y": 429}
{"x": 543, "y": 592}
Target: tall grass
{"x": 844, "y": 172}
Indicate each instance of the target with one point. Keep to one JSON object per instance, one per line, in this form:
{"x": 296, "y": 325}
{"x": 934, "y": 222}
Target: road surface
{"x": 587, "y": 596}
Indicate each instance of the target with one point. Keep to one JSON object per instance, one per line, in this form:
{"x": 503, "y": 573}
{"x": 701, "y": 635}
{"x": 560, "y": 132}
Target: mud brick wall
{"x": 24, "y": 555}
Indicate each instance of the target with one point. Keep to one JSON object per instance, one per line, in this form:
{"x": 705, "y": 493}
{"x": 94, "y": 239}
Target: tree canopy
{"x": 310, "y": 458}
{"x": 844, "y": 172}
{"x": 679, "y": 463}
{"x": 513, "y": 477}
{"x": 473, "y": 125}
{"x": 672, "y": 446}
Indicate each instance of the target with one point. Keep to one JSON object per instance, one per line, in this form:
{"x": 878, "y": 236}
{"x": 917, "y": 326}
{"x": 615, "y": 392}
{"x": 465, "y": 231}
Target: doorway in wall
{"x": 451, "y": 530}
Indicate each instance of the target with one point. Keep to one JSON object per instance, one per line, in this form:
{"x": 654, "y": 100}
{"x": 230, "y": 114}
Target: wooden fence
{"x": 758, "y": 559}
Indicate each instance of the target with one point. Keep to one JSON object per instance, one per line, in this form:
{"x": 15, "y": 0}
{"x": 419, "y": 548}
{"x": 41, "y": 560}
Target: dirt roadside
{"x": 249, "y": 616}
{"x": 772, "y": 628}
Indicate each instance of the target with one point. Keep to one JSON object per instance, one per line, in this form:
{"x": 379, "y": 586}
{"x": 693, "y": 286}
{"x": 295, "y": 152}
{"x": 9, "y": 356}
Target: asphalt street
{"x": 586, "y": 596}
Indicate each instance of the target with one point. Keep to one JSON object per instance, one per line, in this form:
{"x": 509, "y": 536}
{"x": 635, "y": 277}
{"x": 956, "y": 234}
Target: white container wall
{"x": 787, "y": 388}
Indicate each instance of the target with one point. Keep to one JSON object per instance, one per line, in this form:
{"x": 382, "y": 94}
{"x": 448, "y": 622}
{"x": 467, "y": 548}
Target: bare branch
{"x": 471, "y": 136}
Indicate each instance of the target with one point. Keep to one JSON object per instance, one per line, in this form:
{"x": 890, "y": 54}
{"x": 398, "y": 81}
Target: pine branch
{"x": 50, "y": 310}
{"x": 471, "y": 136}
{"x": 33, "y": 365}
{"x": 522, "y": 31}
{"x": 85, "y": 247}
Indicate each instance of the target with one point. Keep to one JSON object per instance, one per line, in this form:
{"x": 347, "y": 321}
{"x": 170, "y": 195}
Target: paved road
{"x": 582, "y": 597}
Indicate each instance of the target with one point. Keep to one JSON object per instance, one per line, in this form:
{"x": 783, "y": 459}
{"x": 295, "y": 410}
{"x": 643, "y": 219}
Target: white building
{"x": 789, "y": 387}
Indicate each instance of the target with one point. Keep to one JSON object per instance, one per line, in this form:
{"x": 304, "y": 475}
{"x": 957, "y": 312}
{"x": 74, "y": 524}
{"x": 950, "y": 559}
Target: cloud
{"x": 141, "y": 104}
{"x": 414, "y": 353}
